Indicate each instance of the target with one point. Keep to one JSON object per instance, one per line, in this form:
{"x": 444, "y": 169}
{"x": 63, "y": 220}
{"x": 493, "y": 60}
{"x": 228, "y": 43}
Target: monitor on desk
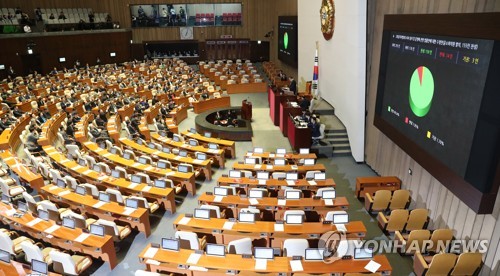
{"x": 132, "y": 203}
{"x": 139, "y": 141}
{"x": 143, "y": 160}
{"x": 4, "y": 256}
{"x": 82, "y": 162}
{"x": 22, "y": 206}
{"x": 202, "y": 213}
{"x": 263, "y": 253}
{"x": 314, "y": 254}
{"x": 102, "y": 145}
{"x": 117, "y": 174}
{"x": 201, "y": 156}
{"x": 166, "y": 150}
{"x": 61, "y": 183}
{"x": 170, "y": 244}
{"x": 363, "y": 253}
{"x": 258, "y": 150}
{"x": 151, "y": 145}
{"x": 176, "y": 138}
{"x": 183, "y": 153}
{"x": 113, "y": 150}
{"x": 263, "y": 175}
{"x": 42, "y": 214}
{"x": 250, "y": 160}
{"x": 280, "y": 151}
{"x": 136, "y": 178}
{"x": 96, "y": 229}
{"x": 234, "y": 173}
{"x": 192, "y": 130}
{"x": 183, "y": 168}
{"x": 81, "y": 190}
{"x": 247, "y": 217}
{"x": 127, "y": 155}
{"x": 279, "y": 162}
{"x": 160, "y": 183}
{"x": 97, "y": 168}
{"x": 292, "y": 176}
{"x": 293, "y": 194}
{"x": 213, "y": 146}
{"x": 39, "y": 267}
{"x": 328, "y": 194}
{"x": 193, "y": 143}
{"x": 5, "y": 199}
{"x": 304, "y": 151}
{"x": 340, "y": 218}
{"x": 222, "y": 191}
{"x": 162, "y": 133}
{"x": 208, "y": 134}
{"x": 68, "y": 223}
{"x": 103, "y": 196}
{"x": 162, "y": 164}
{"x": 294, "y": 219}
{"x": 320, "y": 176}
{"x": 255, "y": 193}
{"x": 309, "y": 162}
{"x": 213, "y": 249}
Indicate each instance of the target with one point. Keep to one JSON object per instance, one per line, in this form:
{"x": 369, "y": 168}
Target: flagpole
{"x": 314, "y": 90}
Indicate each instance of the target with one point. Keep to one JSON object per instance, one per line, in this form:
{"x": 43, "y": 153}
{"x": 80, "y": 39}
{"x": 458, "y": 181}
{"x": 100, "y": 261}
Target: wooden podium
{"x": 246, "y": 110}
{"x": 299, "y": 137}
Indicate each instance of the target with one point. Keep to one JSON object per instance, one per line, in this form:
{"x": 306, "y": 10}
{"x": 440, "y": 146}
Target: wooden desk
{"x": 25, "y": 174}
{"x": 236, "y": 203}
{"x": 166, "y": 260}
{"x": 285, "y": 168}
{"x": 287, "y": 110}
{"x": 16, "y": 268}
{"x": 256, "y": 87}
{"x": 9, "y": 139}
{"x": 289, "y": 156}
{"x": 179, "y": 114}
{"x": 273, "y": 184}
{"x": 62, "y": 237}
{"x": 50, "y": 128}
{"x": 217, "y": 154}
{"x": 372, "y": 184}
{"x": 204, "y": 165}
{"x": 164, "y": 197}
{"x": 111, "y": 211}
{"x": 299, "y": 137}
{"x": 265, "y": 230}
{"x": 275, "y": 98}
{"x": 209, "y": 104}
{"x": 227, "y": 145}
{"x": 126, "y": 111}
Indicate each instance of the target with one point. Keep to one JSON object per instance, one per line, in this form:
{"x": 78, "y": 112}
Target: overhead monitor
{"x": 304, "y": 150}
{"x": 96, "y": 229}
{"x": 62, "y": 59}
{"x": 68, "y": 222}
{"x": 234, "y": 174}
{"x": 263, "y": 175}
{"x": 215, "y": 249}
{"x": 39, "y": 267}
{"x": 293, "y": 194}
{"x": 132, "y": 203}
{"x": 263, "y": 253}
{"x": 202, "y": 213}
{"x": 112, "y": 54}
{"x": 287, "y": 40}
{"x": 170, "y": 244}
{"x": 2, "y": 66}
{"x": 103, "y": 196}
{"x": 294, "y": 219}
{"x": 340, "y": 218}
{"x": 328, "y": 194}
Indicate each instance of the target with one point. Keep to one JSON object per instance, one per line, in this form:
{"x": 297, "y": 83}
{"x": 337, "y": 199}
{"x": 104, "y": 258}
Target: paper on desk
{"x": 198, "y": 268}
{"x": 193, "y": 258}
{"x": 151, "y": 252}
{"x": 213, "y": 150}
{"x": 279, "y": 227}
{"x": 87, "y": 172}
{"x": 280, "y": 155}
{"x": 296, "y": 265}
{"x": 99, "y": 204}
{"x": 128, "y": 211}
{"x": 228, "y": 225}
{"x": 341, "y": 227}
{"x": 101, "y": 178}
{"x": 146, "y": 188}
{"x": 82, "y": 237}
{"x": 52, "y": 188}
{"x": 249, "y": 154}
{"x": 184, "y": 220}
{"x": 272, "y": 155}
{"x": 136, "y": 165}
{"x": 10, "y": 212}
{"x": 372, "y": 266}
{"x": 148, "y": 168}
{"x": 260, "y": 264}
{"x": 312, "y": 182}
{"x": 107, "y": 154}
{"x": 257, "y": 166}
{"x": 169, "y": 173}
{"x": 269, "y": 167}
{"x": 77, "y": 167}
{"x": 290, "y": 183}
{"x": 63, "y": 193}
{"x": 294, "y": 167}
{"x": 253, "y": 201}
{"x": 132, "y": 185}
{"x": 282, "y": 202}
{"x": 52, "y": 228}
{"x": 328, "y": 202}
{"x": 177, "y": 158}
{"x": 197, "y": 161}
{"x": 33, "y": 222}
{"x": 262, "y": 182}
{"x": 152, "y": 262}
{"x": 218, "y": 198}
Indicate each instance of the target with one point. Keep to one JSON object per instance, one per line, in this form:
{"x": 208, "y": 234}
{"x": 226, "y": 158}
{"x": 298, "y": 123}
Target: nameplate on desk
{"x": 294, "y": 167}
{"x": 150, "y": 253}
{"x": 296, "y": 265}
{"x": 269, "y": 167}
{"x": 262, "y": 182}
{"x": 282, "y": 202}
{"x": 136, "y": 165}
{"x": 52, "y": 228}
{"x": 82, "y": 237}
{"x": 101, "y": 178}
{"x": 193, "y": 258}
{"x": 127, "y": 211}
{"x": 87, "y": 172}
{"x": 169, "y": 173}
{"x": 260, "y": 264}
{"x": 98, "y": 150}
{"x": 63, "y": 193}
{"x": 213, "y": 150}
{"x": 107, "y": 154}
{"x": 152, "y": 262}
{"x": 184, "y": 221}
{"x": 218, "y": 198}
{"x": 146, "y": 188}
{"x": 257, "y": 166}
{"x": 178, "y": 158}
{"x": 64, "y": 161}
{"x": 279, "y": 227}
{"x": 328, "y": 202}
{"x": 290, "y": 182}
{"x": 52, "y": 188}
{"x": 253, "y": 201}
{"x": 272, "y": 155}
{"x": 157, "y": 152}
{"x": 312, "y": 182}
{"x": 228, "y": 225}
{"x": 33, "y": 222}
{"x": 77, "y": 167}
{"x": 341, "y": 227}
{"x": 132, "y": 185}
{"x": 10, "y": 212}
{"x": 148, "y": 168}
{"x": 249, "y": 154}
{"x": 197, "y": 161}
{"x": 99, "y": 204}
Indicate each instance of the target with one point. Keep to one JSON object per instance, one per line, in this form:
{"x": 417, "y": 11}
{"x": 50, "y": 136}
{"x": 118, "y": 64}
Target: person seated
{"x": 17, "y": 112}
{"x": 62, "y": 16}
{"x": 305, "y": 103}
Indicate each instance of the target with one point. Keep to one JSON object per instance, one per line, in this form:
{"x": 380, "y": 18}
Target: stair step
{"x": 341, "y": 147}
{"x": 337, "y": 140}
{"x": 337, "y": 135}
{"x": 341, "y": 153}
{"x": 334, "y": 130}
{"x": 329, "y": 111}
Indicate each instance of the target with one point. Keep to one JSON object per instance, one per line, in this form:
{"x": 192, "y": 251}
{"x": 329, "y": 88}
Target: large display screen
{"x": 287, "y": 40}
{"x": 433, "y": 91}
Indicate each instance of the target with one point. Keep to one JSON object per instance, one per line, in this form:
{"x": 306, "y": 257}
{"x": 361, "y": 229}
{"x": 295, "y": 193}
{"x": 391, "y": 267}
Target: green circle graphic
{"x": 285, "y": 40}
{"x": 421, "y": 91}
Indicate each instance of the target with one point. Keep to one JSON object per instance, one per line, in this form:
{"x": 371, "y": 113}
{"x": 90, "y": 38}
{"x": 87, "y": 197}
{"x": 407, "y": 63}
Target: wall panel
{"x": 446, "y": 209}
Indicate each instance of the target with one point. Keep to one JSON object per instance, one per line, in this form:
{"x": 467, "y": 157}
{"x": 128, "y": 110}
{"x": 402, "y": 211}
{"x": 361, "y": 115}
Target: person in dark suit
{"x": 293, "y": 86}
{"x": 315, "y": 131}
{"x": 305, "y": 103}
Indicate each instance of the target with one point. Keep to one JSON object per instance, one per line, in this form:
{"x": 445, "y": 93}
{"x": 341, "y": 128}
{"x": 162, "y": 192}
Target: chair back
{"x": 441, "y": 264}
{"x": 321, "y": 190}
{"x": 295, "y": 247}
{"x": 6, "y": 243}
{"x": 329, "y": 215}
{"x": 188, "y": 240}
{"x": 32, "y": 251}
{"x": 467, "y": 264}
{"x": 415, "y": 241}
{"x": 240, "y": 246}
{"x": 381, "y": 200}
{"x": 214, "y": 210}
{"x": 63, "y": 263}
{"x": 310, "y": 174}
{"x": 400, "y": 199}
{"x": 417, "y": 219}
{"x": 115, "y": 195}
{"x": 277, "y": 175}
{"x": 441, "y": 239}
{"x": 110, "y": 227}
{"x": 397, "y": 220}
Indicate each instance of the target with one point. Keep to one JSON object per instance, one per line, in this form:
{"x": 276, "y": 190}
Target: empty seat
{"x": 413, "y": 242}
{"x": 13, "y": 246}
{"x": 214, "y": 211}
{"x": 240, "y": 246}
{"x": 379, "y": 202}
{"x": 190, "y": 240}
{"x": 417, "y": 219}
{"x": 32, "y": 251}
{"x": 440, "y": 240}
{"x": 396, "y": 221}
{"x": 400, "y": 200}
{"x": 295, "y": 247}
{"x": 440, "y": 264}
{"x": 468, "y": 263}
{"x": 69, "y": 264}
{"x": 116, "y": 231}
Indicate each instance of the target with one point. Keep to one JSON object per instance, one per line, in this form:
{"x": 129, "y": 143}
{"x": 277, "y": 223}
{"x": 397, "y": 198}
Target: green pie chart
{"x": 421, "y": 91}
{"x": 285, "y": 40}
